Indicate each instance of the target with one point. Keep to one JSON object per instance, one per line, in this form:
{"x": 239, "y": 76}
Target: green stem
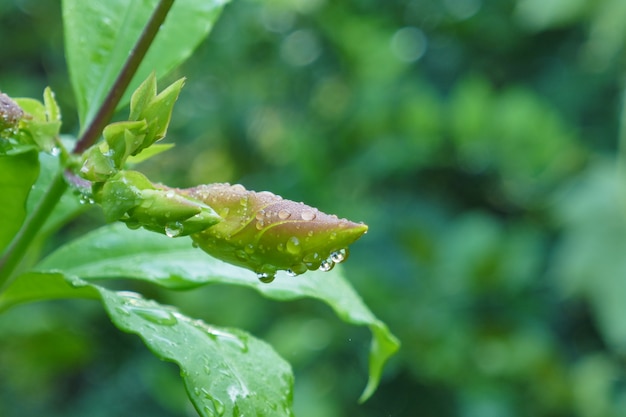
{"x": 21, "y": 242}
{"x": 124, "y": 78}
{"x": 18, "y": 247}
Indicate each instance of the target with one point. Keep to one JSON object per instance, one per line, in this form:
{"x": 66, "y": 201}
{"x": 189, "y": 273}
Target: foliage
{"x": 225, "y": 370}
{"x": 478, "y": 139}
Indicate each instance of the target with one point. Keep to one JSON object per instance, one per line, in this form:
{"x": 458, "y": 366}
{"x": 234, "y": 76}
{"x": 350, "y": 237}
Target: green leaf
{"x": 36, "y": 286}
{"x": 100, "y": 34}
{"x": 226, "y": 371}
{"x": 19, "y": 172}
{"x": 114, "y": 251}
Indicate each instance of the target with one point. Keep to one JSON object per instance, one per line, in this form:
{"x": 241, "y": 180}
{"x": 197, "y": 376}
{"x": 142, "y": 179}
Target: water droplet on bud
{"x": 293, "y": 245}
{"x": 339, "y": 256}
{"x": 296, "y": 270}
{"x": 173, "y": 229}
{"x": 265, "y": 277}
{"x": 326, "y": 265}
{"x": 284, "y": 214}
{"x": 307, "y": 215}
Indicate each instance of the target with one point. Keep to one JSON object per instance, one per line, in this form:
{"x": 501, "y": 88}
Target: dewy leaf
{"x": 114, "y": 251}
{"x": 18, "y": 174}
{"x": 226, "y": 371}
{"x": 100, "y": 34}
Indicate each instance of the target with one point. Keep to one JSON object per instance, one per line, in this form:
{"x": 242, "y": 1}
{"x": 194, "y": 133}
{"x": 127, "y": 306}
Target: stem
{"x": 13, "y": 255}
{"x": 18, "y": 247}
{"x": 124, "y": 78}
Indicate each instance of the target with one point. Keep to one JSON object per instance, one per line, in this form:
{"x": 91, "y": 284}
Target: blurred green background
{"x": 479, "y": 141}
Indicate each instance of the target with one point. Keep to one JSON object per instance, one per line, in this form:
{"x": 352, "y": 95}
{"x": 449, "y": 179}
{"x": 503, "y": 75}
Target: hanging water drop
{"x": 297, "y": 269}
{"x": 326, "y": 265}
{"x": 133, "y": 225}
{"x": 173, "y": 229}
{"x": 339, "y": 256}
{"x": 266, "y": 277}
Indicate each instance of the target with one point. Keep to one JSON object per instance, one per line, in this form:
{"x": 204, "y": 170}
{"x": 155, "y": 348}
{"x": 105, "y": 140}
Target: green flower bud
{"x": 130, "y": 197}
{"x": 265, "y": 233}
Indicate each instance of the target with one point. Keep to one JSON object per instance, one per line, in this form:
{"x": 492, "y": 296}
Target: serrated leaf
{"x": 18, "y": 174}
{"x": 99, "y": 36}
{"x": 226, "y": 371}
{"x": 114, "y": 251}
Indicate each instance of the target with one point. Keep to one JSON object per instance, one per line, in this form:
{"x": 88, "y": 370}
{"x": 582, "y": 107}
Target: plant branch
{"x": 124, "y": 78}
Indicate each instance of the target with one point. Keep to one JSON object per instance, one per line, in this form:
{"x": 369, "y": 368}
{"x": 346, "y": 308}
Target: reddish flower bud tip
{"x": 265, "y": 233}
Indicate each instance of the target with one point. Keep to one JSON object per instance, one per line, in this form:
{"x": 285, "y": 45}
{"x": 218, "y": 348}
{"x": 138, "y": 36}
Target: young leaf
{"x": 100, "y": 34}
{"x": 114, "y": 251}
{"x": 19, "y": 172}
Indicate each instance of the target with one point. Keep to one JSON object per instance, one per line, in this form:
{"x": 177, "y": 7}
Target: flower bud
{"x": 265, "y": 233}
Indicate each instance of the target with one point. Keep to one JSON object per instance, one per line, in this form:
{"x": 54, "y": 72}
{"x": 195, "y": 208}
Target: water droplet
{"x": 85, "y": 199}
{"x": 326, "y": 265}
{"x": 293, "y": 246}
{"x": 170, "y": 194}
{"x": 297, "y": 269}
{"x": 241, "y": 255}
{"x": 266, "y": 277}
{"x": 122, "y": 310}
{"x": 260, "y": 224}
{"x": 173, "y": 229}
{"x": 284, "y": 214}
{"x": 339, "y": 256}
{"x": 224, "y": 212}
{"x": 55, "y": 151}
{"x": 312, "y": 260}
{"x": 249, "y": 249}
{"x": 133, "y": 225}
{"x": 307, "y": 215}
{"x": 155, "y": 315}
{"x": 259, "y": 214}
